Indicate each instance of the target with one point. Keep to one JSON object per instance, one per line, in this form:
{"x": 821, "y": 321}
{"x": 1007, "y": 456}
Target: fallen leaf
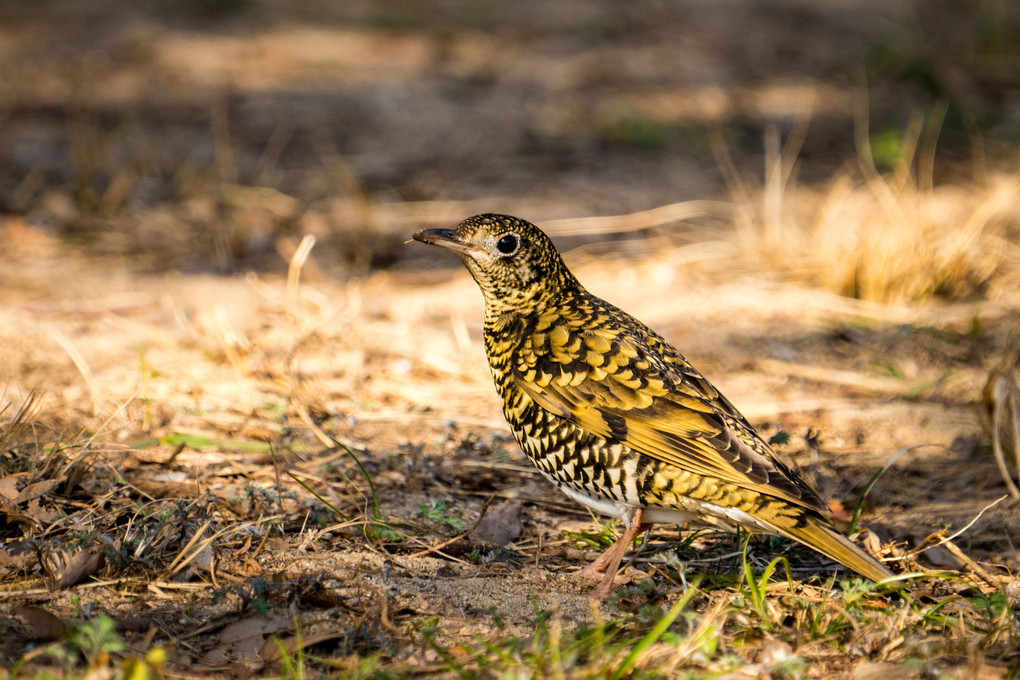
{"x": 42, "y": 516}
{"x": 164, "y": 489}
{"x": 44, "y": 625}
{"x": 242, "y": 641}
{"x": 940, "y": 558}
{"x": 501, "y": 524}
{"x": 81, "y": 566}
{"x": 14, "y": 557}
{"x": 871, "y": 670}
{"x": 253, "y": 626}
{"x": 37, "y": 489}
{"x": 10, "y": 486}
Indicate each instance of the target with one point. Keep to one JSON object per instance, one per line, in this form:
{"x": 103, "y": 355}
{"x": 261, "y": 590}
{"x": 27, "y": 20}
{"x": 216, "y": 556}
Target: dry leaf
{"x": 37, "y": 489}
{"x": 44, "y": 625}
{"x": 870, "y": 670}
{"x": 941, "y": 558}
{"x": 501, "y": 524}
{"x": 243, "y": 640}
{"x": 253, "y": 626}
{"x": 11, "y": 485}
{"x": 164, "y": 489}
{"x": 42, "y": 516}
{"x": 81, "y": 566}
{"x": 14, "y": 557}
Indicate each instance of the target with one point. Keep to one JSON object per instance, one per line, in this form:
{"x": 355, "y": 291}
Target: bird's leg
{"x": 608, "y": 563}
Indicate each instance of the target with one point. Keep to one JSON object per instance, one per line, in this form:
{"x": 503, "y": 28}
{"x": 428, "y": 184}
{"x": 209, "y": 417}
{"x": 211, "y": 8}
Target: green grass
{"x": 712, "y": 628}
{"x": 436, "y": 512}
{"x": 199, "y": 442}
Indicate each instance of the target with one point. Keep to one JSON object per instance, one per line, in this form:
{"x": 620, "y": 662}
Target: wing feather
{"x": 666, "y": 410}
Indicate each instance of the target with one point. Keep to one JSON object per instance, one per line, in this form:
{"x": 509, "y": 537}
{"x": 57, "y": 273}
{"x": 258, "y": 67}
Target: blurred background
{"x": 824, "y": 140}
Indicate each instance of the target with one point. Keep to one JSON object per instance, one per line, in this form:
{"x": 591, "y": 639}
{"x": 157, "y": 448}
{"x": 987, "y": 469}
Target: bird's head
{"x": 514, "y": 263}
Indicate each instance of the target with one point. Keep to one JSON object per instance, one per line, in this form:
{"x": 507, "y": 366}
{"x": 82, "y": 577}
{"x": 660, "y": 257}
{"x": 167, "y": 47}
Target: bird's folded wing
{"x": 665, "y": 417}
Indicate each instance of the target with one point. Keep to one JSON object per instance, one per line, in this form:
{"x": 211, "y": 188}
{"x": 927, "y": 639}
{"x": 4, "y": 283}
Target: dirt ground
{"x": 223, "y": 458}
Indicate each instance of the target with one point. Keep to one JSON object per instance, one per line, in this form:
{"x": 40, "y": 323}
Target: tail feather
{"x": 835, "y": 545}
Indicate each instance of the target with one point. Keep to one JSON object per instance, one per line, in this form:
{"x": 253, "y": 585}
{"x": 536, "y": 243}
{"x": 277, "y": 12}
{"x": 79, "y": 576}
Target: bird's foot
{"x": 596, "y": 569}
{"x": 608, "y": 563}
{"x": 623, "y": 577}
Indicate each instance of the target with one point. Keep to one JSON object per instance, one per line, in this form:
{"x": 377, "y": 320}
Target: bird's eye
{"x": 508, "y": 244}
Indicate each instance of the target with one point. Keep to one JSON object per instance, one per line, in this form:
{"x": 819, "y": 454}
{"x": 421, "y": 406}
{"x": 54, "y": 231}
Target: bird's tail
{"x": 835, "y": 545}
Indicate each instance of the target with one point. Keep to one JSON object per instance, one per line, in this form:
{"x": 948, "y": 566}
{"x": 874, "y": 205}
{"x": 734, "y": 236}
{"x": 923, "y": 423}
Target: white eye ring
{"x": 508, "y": 244}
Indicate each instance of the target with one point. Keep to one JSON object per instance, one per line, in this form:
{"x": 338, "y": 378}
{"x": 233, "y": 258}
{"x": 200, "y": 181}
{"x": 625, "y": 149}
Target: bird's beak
{"x": 446, "y": 238}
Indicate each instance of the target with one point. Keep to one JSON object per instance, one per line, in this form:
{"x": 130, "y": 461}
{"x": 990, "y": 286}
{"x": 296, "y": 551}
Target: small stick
{"x": 434, "y": 549}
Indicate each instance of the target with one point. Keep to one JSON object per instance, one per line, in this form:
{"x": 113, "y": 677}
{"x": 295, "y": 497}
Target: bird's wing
{"x": 657, "y": 405}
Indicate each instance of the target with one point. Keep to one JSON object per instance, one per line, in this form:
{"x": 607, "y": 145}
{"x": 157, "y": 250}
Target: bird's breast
{"x": 568, "y": 455}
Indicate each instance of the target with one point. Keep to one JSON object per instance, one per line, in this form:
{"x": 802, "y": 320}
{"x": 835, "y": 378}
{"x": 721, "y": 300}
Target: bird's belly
{"x": 604, "y": 475}
{"x": 599, "y": 504}
{"x": 705, "y": 513}
{"x": 682, "y": 510}
{"x": 606, "y": 478}
{"x": 611, "y": 479}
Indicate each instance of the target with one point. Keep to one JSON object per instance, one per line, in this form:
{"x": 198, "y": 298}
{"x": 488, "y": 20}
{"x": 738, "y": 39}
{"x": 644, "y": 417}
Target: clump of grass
{"x": 884, "y": 237}
{"x": 15, "y": 426}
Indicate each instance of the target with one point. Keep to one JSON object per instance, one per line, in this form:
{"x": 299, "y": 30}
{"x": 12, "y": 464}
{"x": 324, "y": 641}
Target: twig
{"x": 433, "y": 549}
{"x": 183, "y": 556}
{"x": 645, "y": 219}
{"x": 973, "y": 521}
{"x": 1002, "y": 396}
{"x": 971, "y": 564}
{"x": 943, "y": 541}
{"x": 297, "y": 262}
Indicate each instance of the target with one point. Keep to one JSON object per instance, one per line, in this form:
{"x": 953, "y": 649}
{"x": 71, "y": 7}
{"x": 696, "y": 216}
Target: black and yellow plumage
{"x": 614, "y": 415}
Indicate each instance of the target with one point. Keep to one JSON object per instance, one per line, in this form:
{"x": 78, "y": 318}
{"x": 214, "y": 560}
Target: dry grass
{"x": 882, "y": 237}
{"x": 1001, "y": 417}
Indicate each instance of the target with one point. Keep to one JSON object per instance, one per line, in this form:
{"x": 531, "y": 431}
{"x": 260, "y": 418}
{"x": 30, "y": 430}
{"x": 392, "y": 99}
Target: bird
{"x": 615, "y": 416}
